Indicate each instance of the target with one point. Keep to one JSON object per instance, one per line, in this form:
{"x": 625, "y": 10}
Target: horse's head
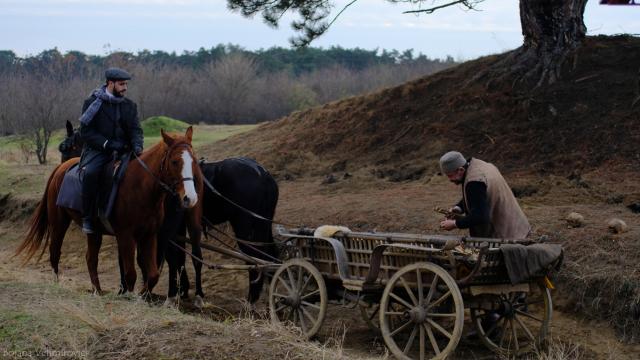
{"x": 72, "y": 144}
{"x": 180, "y": 167}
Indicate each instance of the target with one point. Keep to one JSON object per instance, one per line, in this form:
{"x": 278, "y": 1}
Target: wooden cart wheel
{"x": 421, "y": 313}
{"x": 514, "y": 323}
{"x": 298, "y": 295}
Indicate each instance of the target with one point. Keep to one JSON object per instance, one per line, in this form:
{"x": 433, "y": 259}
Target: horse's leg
{"x": 148, "y": 249}
{"x": 141, "y": 264}
{"x": 61, "y": 224}
{"x": 243, "y": 229}
{"x": 123, "y": 283}
{"x": 195, "y": 233}
{"x": 94, "y": 241}
{"x": 126, "y": 250}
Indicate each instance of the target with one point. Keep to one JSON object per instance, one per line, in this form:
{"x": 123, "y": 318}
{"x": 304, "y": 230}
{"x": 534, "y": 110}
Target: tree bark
{"x": 551, "y": 30}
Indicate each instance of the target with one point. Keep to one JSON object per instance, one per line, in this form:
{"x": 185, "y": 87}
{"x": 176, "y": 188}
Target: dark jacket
{"x": 107, "y": 125}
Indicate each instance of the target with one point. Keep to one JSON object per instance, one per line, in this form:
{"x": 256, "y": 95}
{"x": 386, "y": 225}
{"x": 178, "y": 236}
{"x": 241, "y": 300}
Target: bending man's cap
{"x": 116, "y": 74}
{"x": 451, "y": 161}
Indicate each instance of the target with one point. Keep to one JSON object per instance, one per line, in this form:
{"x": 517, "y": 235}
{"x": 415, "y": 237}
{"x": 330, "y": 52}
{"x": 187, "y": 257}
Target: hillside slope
{"x": 583, "y": 121}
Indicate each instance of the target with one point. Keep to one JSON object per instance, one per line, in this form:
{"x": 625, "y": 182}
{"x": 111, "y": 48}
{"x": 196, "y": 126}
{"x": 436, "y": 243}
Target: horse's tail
{"x": 39, "y": 227}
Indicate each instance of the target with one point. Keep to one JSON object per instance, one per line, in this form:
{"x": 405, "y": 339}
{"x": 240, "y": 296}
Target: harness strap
{"x": 162, "y": 184}
{"x": 255, "y": 215}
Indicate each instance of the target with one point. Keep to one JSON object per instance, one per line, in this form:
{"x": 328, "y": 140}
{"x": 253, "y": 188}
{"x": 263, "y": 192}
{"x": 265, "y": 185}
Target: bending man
{"x": 488, "y": 206}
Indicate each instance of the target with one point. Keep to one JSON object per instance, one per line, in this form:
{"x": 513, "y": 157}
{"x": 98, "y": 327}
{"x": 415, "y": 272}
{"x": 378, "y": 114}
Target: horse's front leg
{"x": 94, "y": 242}
{"x": 126, "y": 251}
{"x": 195, "y": 234}
{"x": 147, "y": 261}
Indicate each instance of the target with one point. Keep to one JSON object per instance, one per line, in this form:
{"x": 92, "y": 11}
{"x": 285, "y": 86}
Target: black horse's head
{"x": 72, "y": 144}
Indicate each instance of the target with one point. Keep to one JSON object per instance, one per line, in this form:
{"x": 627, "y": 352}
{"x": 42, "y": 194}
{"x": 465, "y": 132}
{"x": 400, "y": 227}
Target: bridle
{"x": 168, "y": 188}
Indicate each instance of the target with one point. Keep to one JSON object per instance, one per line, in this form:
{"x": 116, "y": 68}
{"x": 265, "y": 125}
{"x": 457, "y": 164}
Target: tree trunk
{"x": 551, "y": 30}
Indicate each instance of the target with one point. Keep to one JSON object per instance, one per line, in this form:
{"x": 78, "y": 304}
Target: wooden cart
{"x": 413, "y": 288}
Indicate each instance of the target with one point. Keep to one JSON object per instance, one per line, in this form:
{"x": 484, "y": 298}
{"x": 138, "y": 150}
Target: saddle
{"x": 70, "y": 195}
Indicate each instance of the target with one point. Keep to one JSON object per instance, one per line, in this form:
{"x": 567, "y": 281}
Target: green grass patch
{"x": 204, "y": 134}
{"x": 151, "y": 126}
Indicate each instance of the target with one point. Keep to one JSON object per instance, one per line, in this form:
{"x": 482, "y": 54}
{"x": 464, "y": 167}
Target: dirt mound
{"x": 584, "y": 120}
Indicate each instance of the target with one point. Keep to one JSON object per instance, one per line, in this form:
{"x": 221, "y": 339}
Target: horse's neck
{"x": 145, "y": 183}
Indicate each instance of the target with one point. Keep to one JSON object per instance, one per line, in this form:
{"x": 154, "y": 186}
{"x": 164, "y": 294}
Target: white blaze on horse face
{"x": 191, "y": 196}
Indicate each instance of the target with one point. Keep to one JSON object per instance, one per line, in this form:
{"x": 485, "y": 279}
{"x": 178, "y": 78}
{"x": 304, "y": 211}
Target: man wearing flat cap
{"x": 488, "y": 207}
{"x": 109, "y": 124}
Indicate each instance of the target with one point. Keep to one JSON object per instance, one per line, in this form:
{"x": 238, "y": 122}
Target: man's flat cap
{"x": 116, "y": 74}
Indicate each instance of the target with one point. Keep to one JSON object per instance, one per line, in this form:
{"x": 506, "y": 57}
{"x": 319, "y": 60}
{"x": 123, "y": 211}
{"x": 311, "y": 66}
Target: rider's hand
{"x": 114, "y": 145}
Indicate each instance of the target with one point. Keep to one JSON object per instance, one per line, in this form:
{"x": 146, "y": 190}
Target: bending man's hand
{"x": 448, "y": 224}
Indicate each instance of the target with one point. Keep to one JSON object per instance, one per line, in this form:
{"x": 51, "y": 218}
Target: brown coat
{"x": 506, "y": 217}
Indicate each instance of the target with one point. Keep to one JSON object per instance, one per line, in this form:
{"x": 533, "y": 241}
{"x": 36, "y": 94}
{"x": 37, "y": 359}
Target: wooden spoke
{"x": 404, "y": 326}
{"x": 308, "y": 315}
{"x": 419, "y": 284}
{"x": 441, "y": 315}
{"x": 299, "y": 279}
{"x": 409, "y": 291}
{"x": 504, "y": 332}
{"x": 284, "y": 283}
{"x": 401, "y": 301}
{"x": 421, "y": 343}
{"x": 526, "y": 329}
{"x": 439, "y": 328}
{"x": 310, "y": 304}
{"x": 528, "y": 315}
{"x": 514, "y": 333}
{"x": 292, "y": 280}
{"x": 440, "y": 300}
{"x": 432, "y": 289}
{"x": 432, "y": 339}
{"x": 315, "y": 292}
{"x": 302, "y": 323}
{"x": 281, "y": 308}
{"x": 412, "y": 337}
{"x": 279, "y": 295}
{"x": 306, "y": 283}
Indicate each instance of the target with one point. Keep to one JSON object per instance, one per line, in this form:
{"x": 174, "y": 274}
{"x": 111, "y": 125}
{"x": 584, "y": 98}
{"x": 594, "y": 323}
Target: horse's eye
{"x": 175, "y": 162}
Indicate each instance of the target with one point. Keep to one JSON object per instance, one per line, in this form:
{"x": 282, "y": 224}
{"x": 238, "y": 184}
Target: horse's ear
{"x": 167, "y": 139}
{"x": 69, "y": 129}
{"x": 189, "y": 133}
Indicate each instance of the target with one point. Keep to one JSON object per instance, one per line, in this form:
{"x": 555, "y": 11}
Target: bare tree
{"x": 231, "y": 79}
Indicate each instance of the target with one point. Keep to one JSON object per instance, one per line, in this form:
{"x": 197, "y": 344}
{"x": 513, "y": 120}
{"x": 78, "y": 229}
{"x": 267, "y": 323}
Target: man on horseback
{"x": 109, "y": 125}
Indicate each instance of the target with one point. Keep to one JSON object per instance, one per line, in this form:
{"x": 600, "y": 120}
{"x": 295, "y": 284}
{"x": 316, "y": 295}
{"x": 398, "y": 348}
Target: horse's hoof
{"x": 171, "y": 302}
{"x": 198, "y": 302}
{"x": 56, "y": 278}
{"x": 97, "y": 292}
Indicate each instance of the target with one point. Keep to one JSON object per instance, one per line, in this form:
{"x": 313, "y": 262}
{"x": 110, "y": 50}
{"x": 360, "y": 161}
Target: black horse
{"x": 247, "y": 190}
{"x": 71, "y": 146}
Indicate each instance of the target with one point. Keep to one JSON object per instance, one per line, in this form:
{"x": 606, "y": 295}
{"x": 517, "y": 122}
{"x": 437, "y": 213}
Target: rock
{"x": 617, "y": 226}
{"x": 329, "y": 179}
{"x": 575, "y": 220}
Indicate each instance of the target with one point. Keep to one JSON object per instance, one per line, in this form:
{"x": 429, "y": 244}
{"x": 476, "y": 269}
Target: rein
{"x": 165, "y": 187}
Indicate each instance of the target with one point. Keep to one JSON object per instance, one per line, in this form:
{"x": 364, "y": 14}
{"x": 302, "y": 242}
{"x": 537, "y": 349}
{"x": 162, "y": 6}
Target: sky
{"x": 98, "y": 27}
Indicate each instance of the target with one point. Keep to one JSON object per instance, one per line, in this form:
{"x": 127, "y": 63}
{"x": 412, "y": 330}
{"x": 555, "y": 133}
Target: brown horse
{"x": 169, "y": 168}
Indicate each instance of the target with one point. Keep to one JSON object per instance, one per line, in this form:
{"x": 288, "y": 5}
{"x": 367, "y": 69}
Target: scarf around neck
{"x": 101, "y": 95}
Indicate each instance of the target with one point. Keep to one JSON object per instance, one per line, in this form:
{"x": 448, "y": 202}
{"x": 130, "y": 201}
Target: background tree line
{"x": 222, "y": 85}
